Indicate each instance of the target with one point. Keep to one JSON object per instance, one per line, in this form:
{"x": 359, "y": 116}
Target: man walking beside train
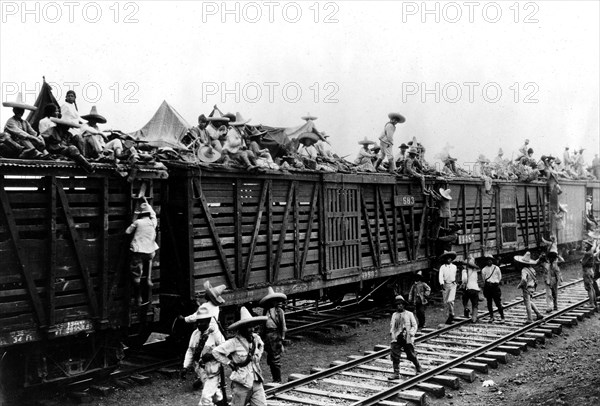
{"x": 403, "y": 328}
{"x": 447, "y": 279}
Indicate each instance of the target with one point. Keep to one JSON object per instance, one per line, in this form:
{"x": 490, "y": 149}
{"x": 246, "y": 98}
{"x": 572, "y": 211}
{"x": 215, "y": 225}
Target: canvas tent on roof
{"x": 277, "y": 139}
{"x": 164, "y": 129}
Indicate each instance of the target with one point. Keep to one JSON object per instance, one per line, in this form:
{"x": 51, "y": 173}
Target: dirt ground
{"x": 565, "y": 371}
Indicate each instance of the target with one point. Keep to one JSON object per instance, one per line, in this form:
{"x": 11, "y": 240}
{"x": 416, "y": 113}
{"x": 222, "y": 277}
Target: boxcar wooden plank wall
{"x": 574, "y": 225}
{"x": 63, "y": 251}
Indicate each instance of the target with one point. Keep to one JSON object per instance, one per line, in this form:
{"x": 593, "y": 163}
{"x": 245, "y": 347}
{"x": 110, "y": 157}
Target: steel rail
{"x": 410, "y": 382}
{"x": 291, "y": 385}
{"x": 334, "y": 319}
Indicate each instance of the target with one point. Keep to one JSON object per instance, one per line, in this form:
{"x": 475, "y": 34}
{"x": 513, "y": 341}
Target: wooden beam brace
{"x": 77, "y": 245}
{"x": 282, "y": 233}
{"x": 489, "y": 219}
{"x": 395, "y": 225}
{"x": 405, "y": 235}
{"x": 270, "y": 232}
{"x": 296, "y": 236}
{"x": 52, "y": 262}
{"x": 377, "y": 233}
{"x": 535, "y": 223}
{"x": 309, "y": 227}
{"x": 526, "y": 214}
{"x": 523, "y": 234}
{"x": 217, "y": 241}
{"x": 374, "y": 254}
{"x": 483, "y": 243}
{"x": 105, "y": 249}
{"x": 259, "y": 215}
{"x": 387, "y": 227}
{"x": 237, "y": 219}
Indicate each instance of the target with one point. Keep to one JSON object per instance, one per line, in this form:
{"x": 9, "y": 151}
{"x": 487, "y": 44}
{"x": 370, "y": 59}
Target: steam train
{"x": 65, "y": 290}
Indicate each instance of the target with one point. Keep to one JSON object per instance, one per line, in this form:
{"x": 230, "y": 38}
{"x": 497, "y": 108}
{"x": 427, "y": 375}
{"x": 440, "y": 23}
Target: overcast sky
{"x": 484, "y": 75}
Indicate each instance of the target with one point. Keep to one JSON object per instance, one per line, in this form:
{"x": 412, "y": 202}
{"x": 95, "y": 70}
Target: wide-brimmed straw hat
{"x": 203, "y": 312}
{"x": 239, "y": 120}
{"x": 214, "y": 294}
{"x": 256, "y": 133}
{"x": 413, "y": 150}
{"x": 208, "y": 154}
{"x": 271, "y": 296}
{"x": 308, "y": 117}
{"x": 400, "y": 298}
{"x": 482, "y": 158}
{"x": 144, "y": 208}
{"x": 94, "y": 116}
{"x": 18, "y": 103}
{"x": 62, "y": 121}
{"x": 470, "y": 263}
{"x": 488, "y": 255}
{"x": 448, "y": 254}
{"x": 365, "y": 141}
{"x": 445, "y": 193}
{"x": 563, "y": 207}
{"x": 302, "y": 138}
{"x": 526, "y": 259}
{"x": 246, "y": 320}
{"x": 397, "y": 116}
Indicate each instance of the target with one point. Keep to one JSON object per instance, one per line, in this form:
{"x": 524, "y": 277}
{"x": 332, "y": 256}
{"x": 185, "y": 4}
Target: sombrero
{"x": 400, "y": 298}
{"x": 203, "y": 312}
{"x": 365, "y": 141}
{"x": 94, "y": 116}
{"x": 488, "y": 255}
{"x": 308, "y": 117}
{"x": 397, "y": 116}
{"x": 218, "y": 118}
{"x": 470, "y": 263}
{"x": 62, "y": 121}
{"x": 413, "y": 150}
{"x": 271, "y": 296}
{"x": 246, "y": 320}
{"x": 525, "y": 259}
{"x": 214, "y": 294}
{"x": 19, "y": 103}
{"x": 239, "y": 120}
{"x": 500, "y": 152}
{"x": 482, "y": 158}
{"x": 562, "y": 207}
{"x": 144, "y": 208}
{"x": 448, "y": 253}
{"x": 445, "y": 193}
{"x": 594, "y": 235}
{"x": 257, "y": 133}
{"x": 308, "y": 136}
{"x": 208, "y": 154}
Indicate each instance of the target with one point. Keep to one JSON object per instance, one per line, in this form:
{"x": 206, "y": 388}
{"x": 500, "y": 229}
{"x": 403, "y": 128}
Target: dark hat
{"x": 403, "y": 146}
{"x": 302, "y": 138}
{"x": 94, "y": 116}
{"x": 397, "y": 116}
{"x": 448, "y": 254}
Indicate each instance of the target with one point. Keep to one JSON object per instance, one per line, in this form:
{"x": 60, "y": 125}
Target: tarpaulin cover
{"x": 277, "y": 139}
{"x": 164, "y": 129}
{"x": 45, "y": 97}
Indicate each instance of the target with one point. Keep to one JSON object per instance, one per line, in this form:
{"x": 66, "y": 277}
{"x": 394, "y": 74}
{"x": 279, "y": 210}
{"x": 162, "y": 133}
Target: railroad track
{"x": 330, "y": 318}
{"x": 447, "y": 355}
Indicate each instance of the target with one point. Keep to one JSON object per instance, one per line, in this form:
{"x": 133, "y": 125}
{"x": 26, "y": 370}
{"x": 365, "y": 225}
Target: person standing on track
{"x": 403, "y": 328}
{"x": 552, "y": 278}
{"x": 275, "y": 329}
{"x": 199, "y": 354}
{"x": 419, "y": 292}
{"x": 587, "y": 270}
{"x": 492, "y": 276}
{"x": 242, "y": 353}
{"x": 447, "y": 279}
{"x": 528, "y": 284}
{"x": 470, "y": 283}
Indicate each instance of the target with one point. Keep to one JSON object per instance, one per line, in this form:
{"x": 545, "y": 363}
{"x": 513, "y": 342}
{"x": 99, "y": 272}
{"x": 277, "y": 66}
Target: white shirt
{"x": 491, "y": 274}
{"x": 447, "y": 273}
{"x": 469, "y": 276}
{"x": 44, "y": 124}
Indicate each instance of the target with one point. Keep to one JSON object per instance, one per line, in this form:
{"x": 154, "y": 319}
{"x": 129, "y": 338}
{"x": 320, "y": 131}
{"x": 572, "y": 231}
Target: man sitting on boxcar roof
{"x": 22, "y": 133}
{"x": 60, "y": 141}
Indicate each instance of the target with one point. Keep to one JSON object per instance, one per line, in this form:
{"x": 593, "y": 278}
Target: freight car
{"x": 65, "y": 302}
